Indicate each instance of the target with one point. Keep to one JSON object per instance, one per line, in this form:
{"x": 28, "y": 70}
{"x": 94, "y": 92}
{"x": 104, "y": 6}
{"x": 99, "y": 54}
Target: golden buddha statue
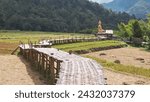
{"x": 100, "y": 29}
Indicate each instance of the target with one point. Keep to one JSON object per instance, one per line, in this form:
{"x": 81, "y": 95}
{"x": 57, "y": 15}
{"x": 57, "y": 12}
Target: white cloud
{"x": 101, "y": 1}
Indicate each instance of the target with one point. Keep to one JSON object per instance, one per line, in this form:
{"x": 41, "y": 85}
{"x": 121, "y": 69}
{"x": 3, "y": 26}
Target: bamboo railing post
{"x": 48, "y": 71}
{"x": 39, "y": 59}
{"x": 58, "y": 68}
{"x": 37, "y": 56}
{"x": 40, "y": 62}
{"x": 52, "y": 73}
{"x": 42, "y": 66}
{"x": 46, "y": 66}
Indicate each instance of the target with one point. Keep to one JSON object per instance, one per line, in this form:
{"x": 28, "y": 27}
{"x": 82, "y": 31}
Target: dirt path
{"x": 15, "y": 71}
{"x": 115, "y": 78}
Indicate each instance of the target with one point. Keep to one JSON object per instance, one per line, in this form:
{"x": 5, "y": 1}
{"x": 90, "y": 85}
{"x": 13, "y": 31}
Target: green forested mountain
{"x": 140, "y": 8}
{"x": 56, "y": 15}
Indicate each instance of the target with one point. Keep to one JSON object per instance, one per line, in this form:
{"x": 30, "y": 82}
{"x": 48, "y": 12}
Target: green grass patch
{"x": 9, "y": 39}
{"x": 122, "y": 68}
{"x": 88, "y": 45}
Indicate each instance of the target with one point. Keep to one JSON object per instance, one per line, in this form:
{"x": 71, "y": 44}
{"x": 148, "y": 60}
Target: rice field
{"x": 9, "y": 40}
{"x": 88, "y": 45}
{"x": 24, "y": 36}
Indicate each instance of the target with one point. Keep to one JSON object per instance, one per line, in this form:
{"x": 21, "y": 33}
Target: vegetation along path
{"x": 14, "y": 70}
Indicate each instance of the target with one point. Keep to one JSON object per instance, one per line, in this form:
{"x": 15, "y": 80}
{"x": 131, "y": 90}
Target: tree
{"x": 125, "y": 30}
{"x": 139, "y": 30}
{"x": 148, "y": 30}
{"x": 136, "y": 30}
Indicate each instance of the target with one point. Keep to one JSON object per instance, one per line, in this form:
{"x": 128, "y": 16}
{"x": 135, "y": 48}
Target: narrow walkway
{"x": 16, "y": 71}
{"x": 75, "y": 70}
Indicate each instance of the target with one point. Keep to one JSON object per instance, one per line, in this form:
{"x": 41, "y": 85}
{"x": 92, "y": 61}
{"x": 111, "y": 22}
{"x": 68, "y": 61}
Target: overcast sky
{"x": 102, "y": 1}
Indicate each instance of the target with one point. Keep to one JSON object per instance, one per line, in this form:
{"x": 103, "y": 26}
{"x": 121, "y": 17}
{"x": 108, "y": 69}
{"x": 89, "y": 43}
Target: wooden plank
{"x": 15, "y": 50}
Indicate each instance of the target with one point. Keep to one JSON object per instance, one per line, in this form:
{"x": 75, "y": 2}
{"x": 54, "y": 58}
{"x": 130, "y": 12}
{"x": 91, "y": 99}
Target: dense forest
{"x": 57, "y": 15}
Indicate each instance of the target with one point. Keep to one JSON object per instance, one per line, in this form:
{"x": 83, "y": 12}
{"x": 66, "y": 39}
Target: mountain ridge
{"x": 139, "y": 8}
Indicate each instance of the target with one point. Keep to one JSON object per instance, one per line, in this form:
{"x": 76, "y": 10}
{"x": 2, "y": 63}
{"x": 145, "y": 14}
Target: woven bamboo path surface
{"x": 75, "y": 70}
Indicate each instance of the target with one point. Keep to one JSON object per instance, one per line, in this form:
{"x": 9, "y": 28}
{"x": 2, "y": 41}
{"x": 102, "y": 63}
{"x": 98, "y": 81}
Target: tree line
{"x": 57, "y": 15}
{"x": 136, "y": 29}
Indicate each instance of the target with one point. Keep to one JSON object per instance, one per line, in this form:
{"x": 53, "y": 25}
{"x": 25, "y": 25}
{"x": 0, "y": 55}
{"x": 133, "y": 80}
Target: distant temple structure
{"x": 100, "y": 29}
{"x": 103, "y": 34}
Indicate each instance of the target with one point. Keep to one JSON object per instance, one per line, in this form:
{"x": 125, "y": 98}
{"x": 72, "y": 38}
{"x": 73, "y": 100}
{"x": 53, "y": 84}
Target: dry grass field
{"x": 118, "y": 78}
{"x": 7, "y": 48}
{"x": 129, "y": 58}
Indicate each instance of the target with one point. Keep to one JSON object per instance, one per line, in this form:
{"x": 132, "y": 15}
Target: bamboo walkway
{"x": 74, "y": 69}
{"x": 62, "y": 68}
{"x": 72, "y": 40}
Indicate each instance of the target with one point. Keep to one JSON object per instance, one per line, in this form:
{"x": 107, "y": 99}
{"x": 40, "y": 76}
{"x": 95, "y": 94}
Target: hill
{"x": 137, "y": 7}
{"x": 140, "y": 9}
{"x": 56, "y": 15}
{"x": 120, "y": 5}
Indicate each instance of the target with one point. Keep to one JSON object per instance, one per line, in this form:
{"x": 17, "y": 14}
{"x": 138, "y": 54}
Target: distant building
{"x": 103, "y": 34}
{"x": 109, "y": 31}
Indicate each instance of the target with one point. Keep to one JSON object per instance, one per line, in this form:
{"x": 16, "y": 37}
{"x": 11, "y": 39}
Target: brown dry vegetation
{"x": 118, "y": 78}
{"x": 7, "y": 48}
{"x": 127, "y": 56}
